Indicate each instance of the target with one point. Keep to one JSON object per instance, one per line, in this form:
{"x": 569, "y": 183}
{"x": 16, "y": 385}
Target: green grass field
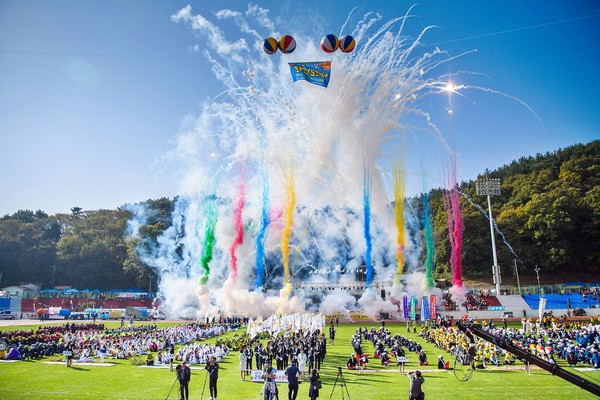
{"x": 35, "y": 380}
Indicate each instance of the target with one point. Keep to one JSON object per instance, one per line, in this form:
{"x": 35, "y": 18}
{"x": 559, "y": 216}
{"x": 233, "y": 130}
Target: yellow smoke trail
{"x": 290, "y": 204}
{"x": 399, "y": 179}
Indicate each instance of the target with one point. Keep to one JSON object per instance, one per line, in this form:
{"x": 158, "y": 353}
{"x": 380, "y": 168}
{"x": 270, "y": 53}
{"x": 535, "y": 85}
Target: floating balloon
{"x": 347, "y": 44}
{"x": 270, "y": 45}
{"x": 287, "y": 44}
{"x": 329, "y": 43}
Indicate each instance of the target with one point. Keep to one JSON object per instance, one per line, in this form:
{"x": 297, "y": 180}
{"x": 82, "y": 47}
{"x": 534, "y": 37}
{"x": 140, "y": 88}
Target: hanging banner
{"x": 413, "y": 308}
{"x": 542, "y": 307}
{"x": 432, "y": 311}
{"x": 317, "y": 72}
{"x": 424, "y": 309}
{"x": 405, "y": 306}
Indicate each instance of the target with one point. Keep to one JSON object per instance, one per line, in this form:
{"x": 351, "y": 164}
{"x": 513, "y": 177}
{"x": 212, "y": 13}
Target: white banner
{"x": 257, "y": 376}
{"x": 542, "y": 307}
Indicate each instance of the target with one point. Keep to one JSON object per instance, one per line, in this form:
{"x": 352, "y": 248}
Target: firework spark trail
{"x": 290, "y": 204}
{"x": 367, "y": 226}
{"x": 209, "y": 238}
{"x": 239, "y": 227}
{"x": 375, "y": 92}
{"x": 399, "y": 181}
{"x": 262, "y": 233}
{"x": 429, "y": 244}
{"x": 496, "y": 228}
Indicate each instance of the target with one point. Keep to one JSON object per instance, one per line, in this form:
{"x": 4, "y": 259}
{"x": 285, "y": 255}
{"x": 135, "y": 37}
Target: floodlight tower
{"x": 491, "y": 187}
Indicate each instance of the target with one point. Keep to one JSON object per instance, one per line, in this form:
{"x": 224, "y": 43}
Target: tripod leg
{"x": 204, "y": 386}
{"x": 344, "y": 386}
{"x": 334, "y": 385}
{"x": 172, "y": 386}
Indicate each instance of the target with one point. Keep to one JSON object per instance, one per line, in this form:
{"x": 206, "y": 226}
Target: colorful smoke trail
{"x": 399, "y": 182}
{"x": 209, "y": 237}
{"x": 374, "y": 96}
{"x": 367, "y": 226}
{"x": 288, "y": 217}
{"x": 429, "y": 244}
{"x": 239, "y": 227}
{"x": 455, "y": 230}
{"x": 262, "y": 233}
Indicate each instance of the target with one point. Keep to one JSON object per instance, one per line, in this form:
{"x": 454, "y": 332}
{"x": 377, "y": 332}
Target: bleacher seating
{"x": 560, "y": 301}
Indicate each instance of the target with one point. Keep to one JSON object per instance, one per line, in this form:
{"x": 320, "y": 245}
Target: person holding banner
{"x": 69, "y": 354}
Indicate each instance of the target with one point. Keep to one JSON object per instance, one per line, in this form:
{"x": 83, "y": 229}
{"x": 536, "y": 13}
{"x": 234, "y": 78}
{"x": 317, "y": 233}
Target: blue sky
{"x": 93, "y": 93}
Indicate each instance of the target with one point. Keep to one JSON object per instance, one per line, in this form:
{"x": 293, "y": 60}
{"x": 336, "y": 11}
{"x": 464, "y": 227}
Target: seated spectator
{"x": 443, "y": 364}
{"x": 150, "y": 360}
{"x": 363, "y": 361}
{"x": 352, "y": 363}
{"x": 385, "y": 358}
{"x": 422, "y": 358}
{"x": 14, "y": 354}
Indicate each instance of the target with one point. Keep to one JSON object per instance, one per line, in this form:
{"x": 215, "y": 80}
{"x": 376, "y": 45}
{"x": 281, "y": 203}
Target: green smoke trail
{"x": 429, "y": 245}
{"x": 209, "y": 238}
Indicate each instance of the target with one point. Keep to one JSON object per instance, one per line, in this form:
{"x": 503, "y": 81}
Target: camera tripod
{"x": 175, "y": 381}
{"x": 343, "y": 386}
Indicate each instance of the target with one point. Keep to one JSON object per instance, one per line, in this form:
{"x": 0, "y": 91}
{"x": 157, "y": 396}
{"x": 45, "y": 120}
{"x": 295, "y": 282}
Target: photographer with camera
{"x": 184, "y": 375}
{"x": 414, "y": 391}
{"x": 213, "y": 374}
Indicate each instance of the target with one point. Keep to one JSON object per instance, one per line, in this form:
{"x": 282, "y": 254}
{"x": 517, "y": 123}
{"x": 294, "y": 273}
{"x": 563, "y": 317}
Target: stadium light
{"x": 491, "y": 187}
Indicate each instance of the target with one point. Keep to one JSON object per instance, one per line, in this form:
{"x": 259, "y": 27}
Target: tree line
{"x": 548, "y": 213}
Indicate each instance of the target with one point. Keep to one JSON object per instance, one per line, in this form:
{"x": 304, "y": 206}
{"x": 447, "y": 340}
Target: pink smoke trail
{"x": 455, "y": 230}
{"x": 239, "y": 227}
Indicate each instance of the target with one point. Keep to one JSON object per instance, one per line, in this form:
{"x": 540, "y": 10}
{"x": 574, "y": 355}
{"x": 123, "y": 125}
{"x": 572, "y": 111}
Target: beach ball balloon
{"x": 347, "y": 44}
{"x": 329, "y": 43}
{"x": 270, "y": 45}
{"x": 287, "y": 44}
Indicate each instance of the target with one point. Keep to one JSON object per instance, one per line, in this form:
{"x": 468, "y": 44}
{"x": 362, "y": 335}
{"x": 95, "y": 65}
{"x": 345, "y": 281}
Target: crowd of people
{"x": 476, "y": 300}
{"x": 387, "y": 349}
{"x": 308, "y": 351}
{"x": 91, "y": 342}
{"x": 577, "y": 342}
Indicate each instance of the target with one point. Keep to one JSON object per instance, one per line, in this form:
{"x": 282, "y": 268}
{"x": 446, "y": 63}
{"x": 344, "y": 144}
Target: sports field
{"x": 123, "y": 380}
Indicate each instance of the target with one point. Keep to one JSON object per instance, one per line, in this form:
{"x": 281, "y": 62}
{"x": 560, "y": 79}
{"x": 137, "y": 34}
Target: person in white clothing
{"x": 243, "y": 363}
{"x": 302, "y": 364}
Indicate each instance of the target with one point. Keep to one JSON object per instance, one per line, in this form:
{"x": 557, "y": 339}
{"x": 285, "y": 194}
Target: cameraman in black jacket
{"x": 184, "y": 375}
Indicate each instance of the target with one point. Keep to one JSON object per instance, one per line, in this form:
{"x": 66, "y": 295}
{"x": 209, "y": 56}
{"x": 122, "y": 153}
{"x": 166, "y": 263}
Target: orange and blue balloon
{"x": 270, "y": 45}
{"x": 347, "y": 43}
{"x": 287, "y": 44}
{"x": 329, "y": 43}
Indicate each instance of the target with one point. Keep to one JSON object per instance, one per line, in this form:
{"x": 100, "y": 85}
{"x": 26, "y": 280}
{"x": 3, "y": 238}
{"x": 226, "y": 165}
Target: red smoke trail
{"x": 455, "y": 230}
{"x": 239, "y": 227}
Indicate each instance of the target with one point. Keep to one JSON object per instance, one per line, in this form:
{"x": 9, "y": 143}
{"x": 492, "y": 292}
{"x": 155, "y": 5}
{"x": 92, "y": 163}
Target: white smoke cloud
{"x": 261, "y": 123}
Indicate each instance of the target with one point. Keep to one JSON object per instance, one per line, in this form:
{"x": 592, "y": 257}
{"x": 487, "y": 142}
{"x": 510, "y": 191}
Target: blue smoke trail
{"x": 260, "y": 238}
{"x": 367, "y": 216}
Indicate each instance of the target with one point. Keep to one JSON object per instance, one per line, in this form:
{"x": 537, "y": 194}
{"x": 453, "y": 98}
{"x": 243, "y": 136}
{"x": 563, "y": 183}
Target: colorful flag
{"x": 317, "y": 72}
